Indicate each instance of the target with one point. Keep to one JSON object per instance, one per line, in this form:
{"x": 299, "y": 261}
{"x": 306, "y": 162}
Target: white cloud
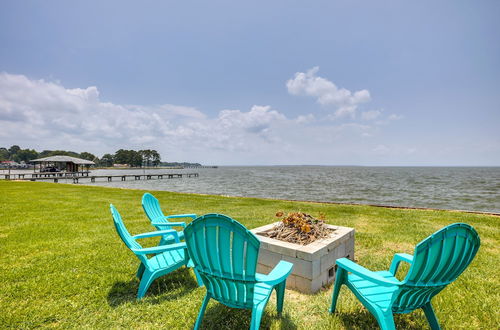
{"x": 370, "y": 115}
{"x": 387, "y": 120}
{"x": 45, "y": 115}
{"x": 394, "y": 117}
{"x": 327, "y": 93}
{"x": 305, "y": 119}
{"x": 172, "y": 111}
{"x": 359, "y": 127}
{"x": 257, "y": 120}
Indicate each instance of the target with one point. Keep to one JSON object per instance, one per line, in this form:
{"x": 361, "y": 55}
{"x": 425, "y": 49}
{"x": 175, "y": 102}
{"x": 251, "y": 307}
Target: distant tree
{"x": 25, "y": 155}
{"x": 87, "y": 156}
{"x": 150, "y": 157}
{"x": 13, "y": 150}
{"x": 130, "y": 157}
{"x": 121, "y": 157}
{"x": 4, "y": 154}
{"x": 146, "y": 156}
{"x": 44, "y": 153}
{"x": 156, "y": 158}
{"x": 17, "y": 154}
{"x": 135, "y": 159}
{"x": 107, "y": 160}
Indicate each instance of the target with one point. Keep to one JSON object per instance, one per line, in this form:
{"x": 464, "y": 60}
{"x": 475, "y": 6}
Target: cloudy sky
{"x": 260, "y": 82}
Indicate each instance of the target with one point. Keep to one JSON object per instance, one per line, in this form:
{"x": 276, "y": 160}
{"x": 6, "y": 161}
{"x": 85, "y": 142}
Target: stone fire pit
{"x": 314, "y": 263}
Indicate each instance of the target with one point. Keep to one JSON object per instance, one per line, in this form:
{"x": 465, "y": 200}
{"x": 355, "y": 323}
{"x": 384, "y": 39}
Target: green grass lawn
{"x": 63, "y": 264}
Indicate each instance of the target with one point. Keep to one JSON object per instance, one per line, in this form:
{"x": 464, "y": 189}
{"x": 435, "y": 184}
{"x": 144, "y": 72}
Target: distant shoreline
{"x": 395, "y": 207}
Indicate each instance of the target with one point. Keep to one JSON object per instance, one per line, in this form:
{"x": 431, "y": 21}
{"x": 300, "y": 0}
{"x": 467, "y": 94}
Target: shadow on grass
{"x": 167, "y": 287}
{"x": 365, "y": 320}
{"x": 219, "y": 316}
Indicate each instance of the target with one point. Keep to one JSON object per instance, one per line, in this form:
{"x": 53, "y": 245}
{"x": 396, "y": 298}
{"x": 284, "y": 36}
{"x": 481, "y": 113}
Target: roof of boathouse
{"x": 63, "y": 159}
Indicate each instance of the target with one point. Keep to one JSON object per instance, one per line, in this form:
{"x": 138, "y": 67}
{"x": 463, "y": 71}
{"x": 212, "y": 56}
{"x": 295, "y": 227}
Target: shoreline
{"x": 399, "y": 207}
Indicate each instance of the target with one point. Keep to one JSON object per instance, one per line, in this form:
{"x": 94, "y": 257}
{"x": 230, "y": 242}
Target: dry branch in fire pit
{"x": 299, "y": 228}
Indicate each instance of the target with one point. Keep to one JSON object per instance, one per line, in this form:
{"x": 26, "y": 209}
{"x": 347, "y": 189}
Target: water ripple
{"x": 464, "y": 188}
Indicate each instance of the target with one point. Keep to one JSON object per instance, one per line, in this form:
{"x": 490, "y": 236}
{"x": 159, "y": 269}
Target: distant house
{"x": 121, "y": 165}
{"x": 9, "y": 164}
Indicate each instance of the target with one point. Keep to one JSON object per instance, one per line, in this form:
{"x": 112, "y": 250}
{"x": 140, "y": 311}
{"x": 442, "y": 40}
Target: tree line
{"x": 132, "y": 158}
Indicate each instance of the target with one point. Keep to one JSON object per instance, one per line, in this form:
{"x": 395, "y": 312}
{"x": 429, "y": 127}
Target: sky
{"x": 392, "y": 83}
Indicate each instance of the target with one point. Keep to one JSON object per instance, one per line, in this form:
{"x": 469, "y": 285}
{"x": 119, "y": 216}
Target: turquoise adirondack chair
{"x": 165, "y": 259}
{"x": 225, "y": 255}
{"x": 437, "y": 261}
{"x": 153, "y": 211}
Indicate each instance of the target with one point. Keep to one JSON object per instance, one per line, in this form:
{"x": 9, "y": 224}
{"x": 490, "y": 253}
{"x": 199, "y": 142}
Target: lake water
{"x": 464, "y": 188}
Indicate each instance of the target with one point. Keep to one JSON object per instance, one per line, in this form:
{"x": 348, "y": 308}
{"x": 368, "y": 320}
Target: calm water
{"x": 464, "y": 188}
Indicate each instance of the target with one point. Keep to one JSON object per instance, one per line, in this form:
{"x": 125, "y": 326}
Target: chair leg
{"x": 431, "y": 316}
{"x": 385, "y": 320}
{"x": 140, "y": 271}
{"x": 257, "y": 311}
{"x": 339, "y": 280}
{"x": 280, "y": 296}
{"x": 202, "y": 311}
{"x": 147, "y": 279}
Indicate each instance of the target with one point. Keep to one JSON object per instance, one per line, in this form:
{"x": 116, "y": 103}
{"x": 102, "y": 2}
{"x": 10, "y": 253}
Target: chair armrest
{"x": 160, "y": 249}
{"x": 169, "y": 224}
{"x": 279, "y": 273}
{"x": 158, "y": 233}
{"x": 398, "y": 257}
{"x": 356, "y": 269}
{"x": 173, "y": 216}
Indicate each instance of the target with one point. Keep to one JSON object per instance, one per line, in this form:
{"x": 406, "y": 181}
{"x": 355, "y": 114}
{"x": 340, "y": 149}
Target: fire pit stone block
{"x": 314, "y": 263}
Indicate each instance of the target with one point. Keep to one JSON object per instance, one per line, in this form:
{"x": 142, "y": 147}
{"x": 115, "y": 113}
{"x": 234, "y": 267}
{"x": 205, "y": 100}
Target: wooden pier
{"x": 43, "y": 175}
{"x": 55, "y": 177}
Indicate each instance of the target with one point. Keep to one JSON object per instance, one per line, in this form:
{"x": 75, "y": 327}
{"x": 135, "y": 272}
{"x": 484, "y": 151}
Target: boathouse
{"x": 64, "y": 164}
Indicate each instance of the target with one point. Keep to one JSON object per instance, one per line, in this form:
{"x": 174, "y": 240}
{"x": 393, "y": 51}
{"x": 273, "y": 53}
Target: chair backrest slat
{"x": 201, "y": 251}
{"x": 457, "y": 256}
{"x": 211, "y": 245}
{"x": 129, "y": 241}
{"x": 251, "y": 258}
{"x": 437, "y": 261}
{"x": 237, "y": 250}
{"x": 423, "y": 263}
{"x": 225, "y": 254}
{"x": 448, "y": 251}
{"x": 152, "y": 208}
{"x": 461, "y": 260}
